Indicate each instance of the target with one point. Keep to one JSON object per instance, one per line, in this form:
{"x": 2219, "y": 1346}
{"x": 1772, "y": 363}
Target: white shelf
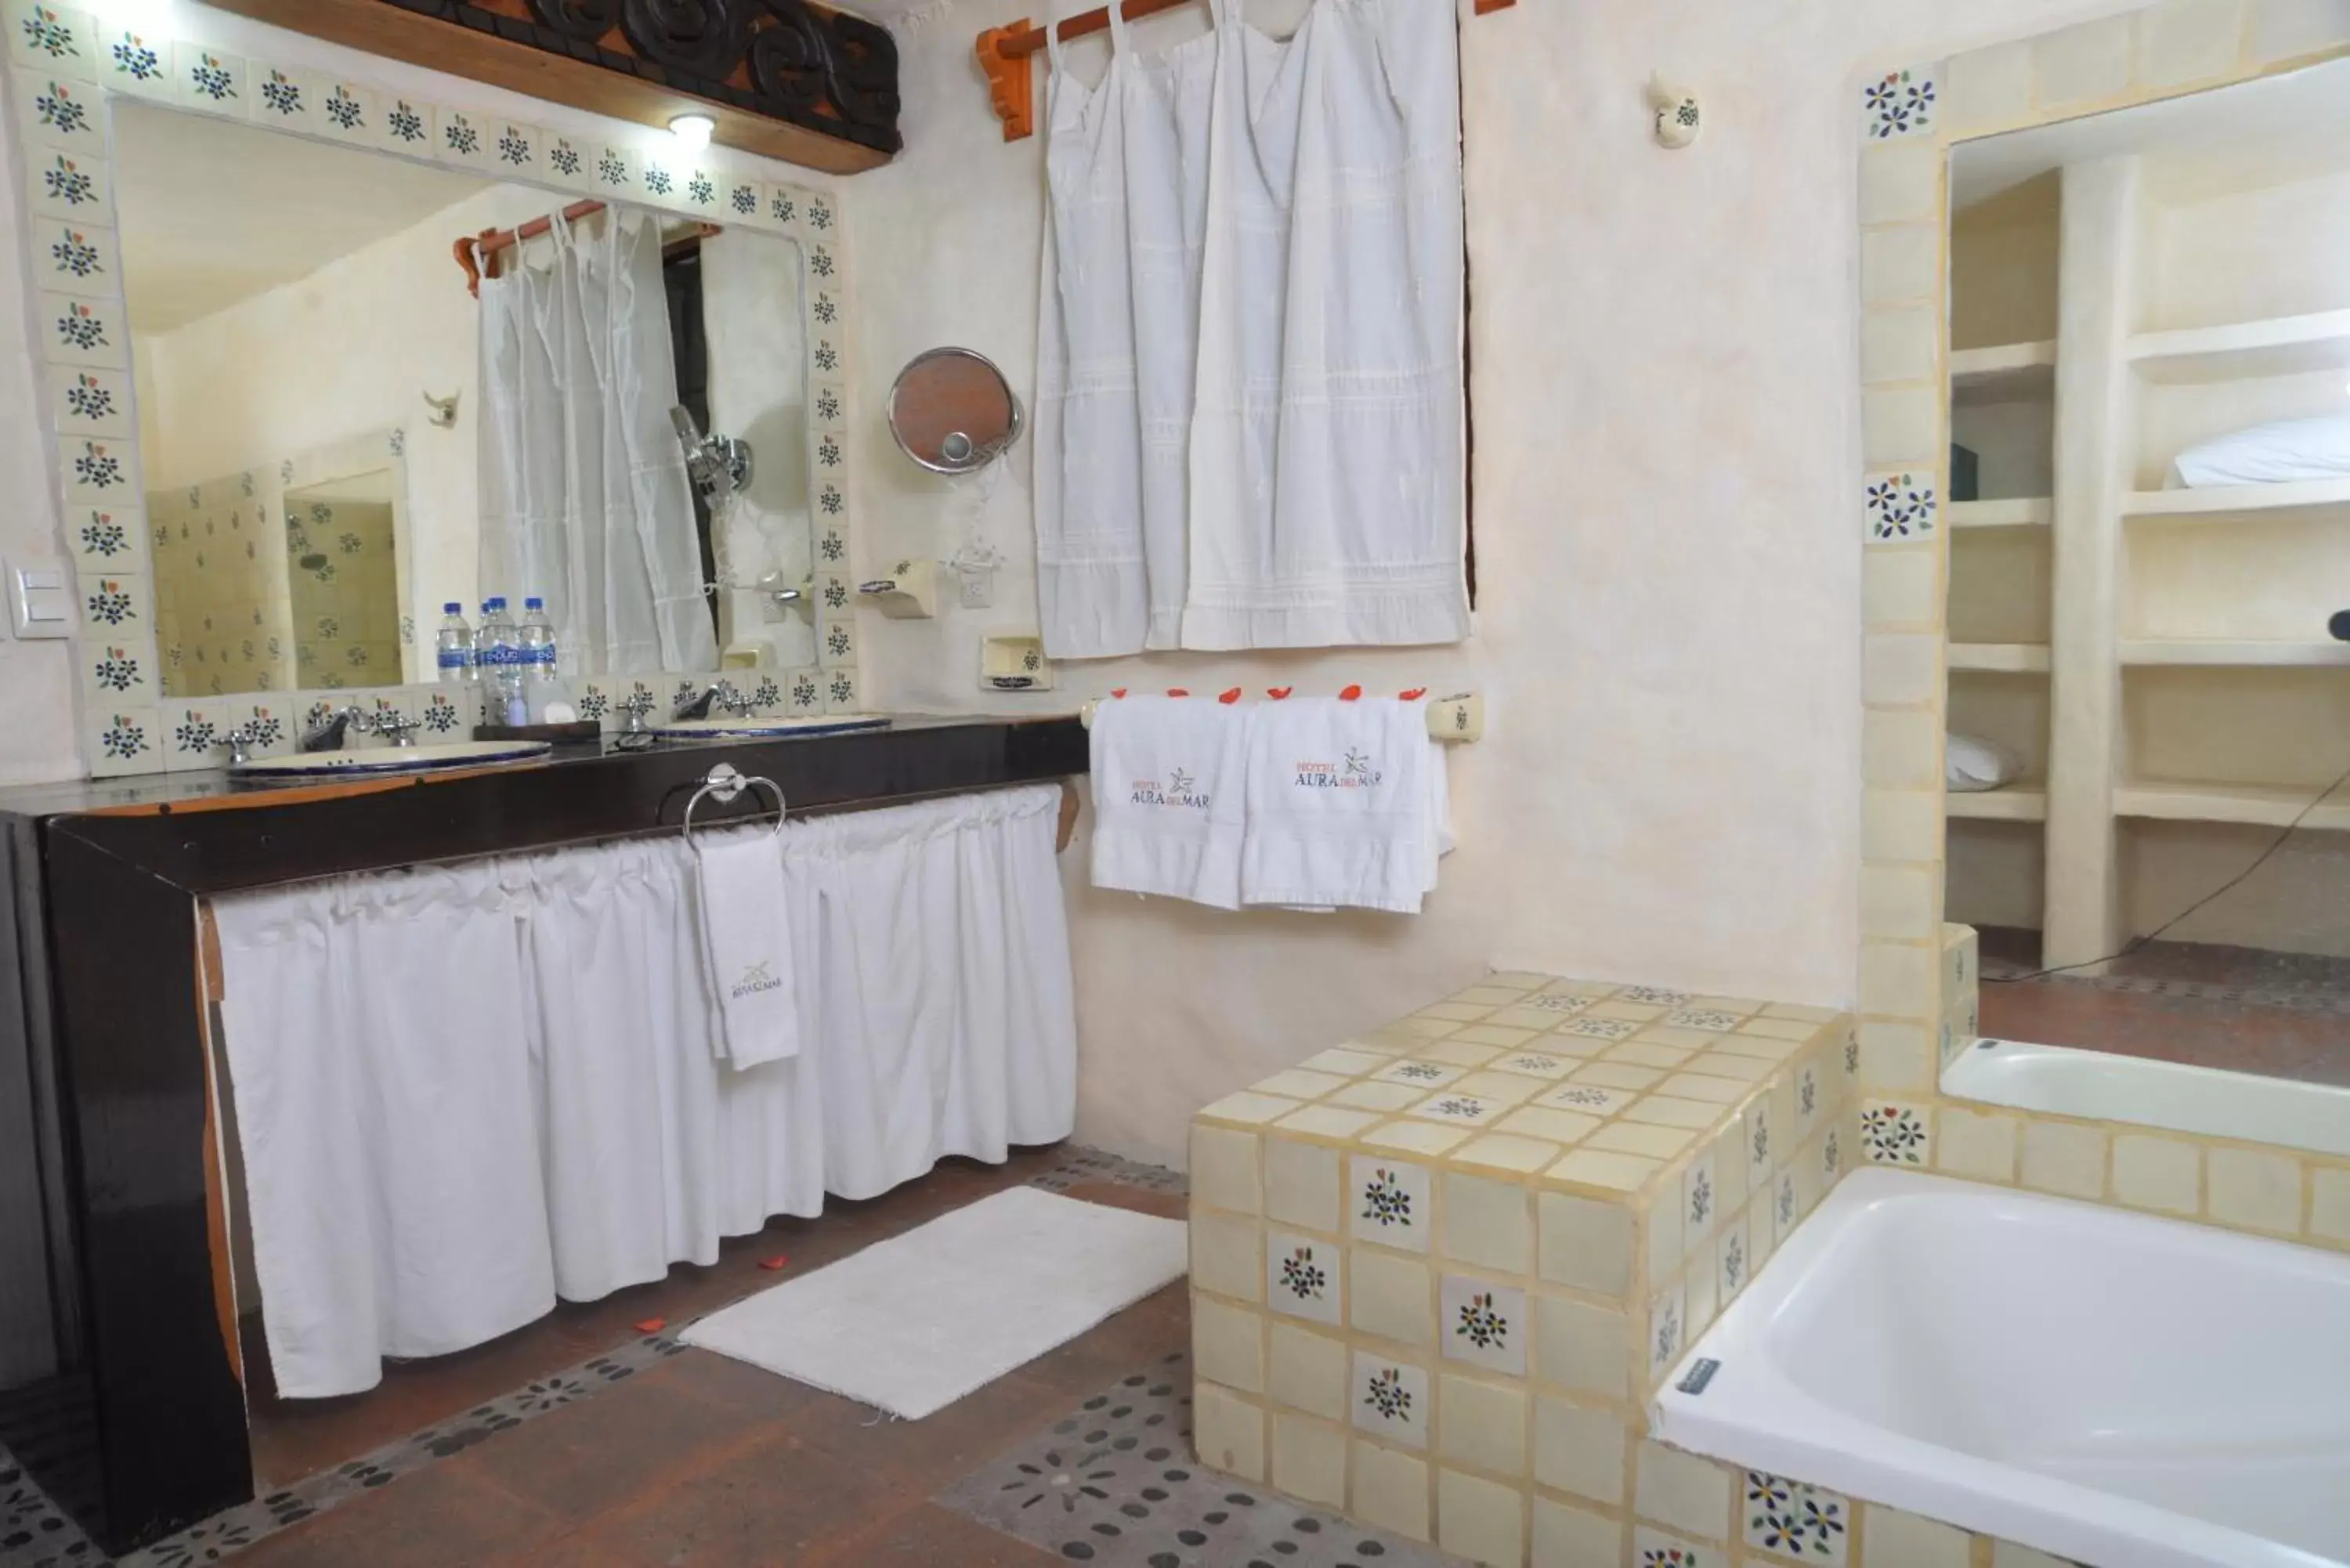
{"x": 2223, "y": 500}
{"x": 2008, "y": 373}
{"x": 2004, "y": 658}
{"x": 2282, "y": 346}
{"x": 2014, "y": 803}
{"x": 2262, "y": 653}
{"x": 2257, "y": 806}
{"x": 2033, "y": 511}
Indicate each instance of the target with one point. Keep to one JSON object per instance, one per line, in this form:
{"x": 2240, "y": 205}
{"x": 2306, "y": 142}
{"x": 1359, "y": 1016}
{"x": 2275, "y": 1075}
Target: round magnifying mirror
{"x": 952, "y": 411}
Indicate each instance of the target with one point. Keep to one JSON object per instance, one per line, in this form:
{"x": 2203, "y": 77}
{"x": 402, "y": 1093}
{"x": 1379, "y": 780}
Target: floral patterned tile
{"x": 83, "y": 331}
{"x": 58, "y": 39}
{"x": 61, "y": 113}
{"x": 1302, "y": 1277}
{"x": 1896, "y": 1134}
{"x": 802, "y": 692}
{"x": 836, "y": 642}
{"x": 840, "y": 689}
{"x": 134, "y": 61}
{"x": 1901, "y": 104}
{"x": 616, "y": 169}
{"x": 466, "y": 140}
{"x": 1900, "y": 506}
{"x": 1389, "y": 1401}
{"x": 1389, "y": 1202}
{"x": 1483, "y": 1323}
{"x": 406, "y": 125}
{"x": 1794, "y": 1519}
{"x": 121, "y": 740}
{"x": 1654, "y": 1548}
{"x": 213, "y": 81}
{"x": 568, "y": 159}
{"x": 517, "y": 151}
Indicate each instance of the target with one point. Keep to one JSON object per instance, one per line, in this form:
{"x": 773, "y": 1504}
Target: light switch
{"x": 40, "y": 601}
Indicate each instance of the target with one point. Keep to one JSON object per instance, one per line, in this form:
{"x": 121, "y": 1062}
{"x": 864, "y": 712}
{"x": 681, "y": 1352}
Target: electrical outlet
{"x": 978, "y": 589}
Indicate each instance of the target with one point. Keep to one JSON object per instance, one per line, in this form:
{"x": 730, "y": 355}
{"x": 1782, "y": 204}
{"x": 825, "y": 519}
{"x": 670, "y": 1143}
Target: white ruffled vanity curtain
{"x": 584, "y": 495}
{"x": 1250, "y": 427}
{"x": 462, "y": 1093}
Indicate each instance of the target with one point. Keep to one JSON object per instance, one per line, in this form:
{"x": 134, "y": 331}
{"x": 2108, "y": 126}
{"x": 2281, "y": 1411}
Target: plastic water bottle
{"x": 485, "y": 657}
{"x": 454, "y": 647}
{"x": 502, "y": 696}
{"x": 535, "y": 643}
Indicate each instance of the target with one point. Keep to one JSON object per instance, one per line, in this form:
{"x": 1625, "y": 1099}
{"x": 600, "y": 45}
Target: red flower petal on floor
{"x": 777, "y": 1261}
{"x": 1415, "y": 694}
{"x": 652, "y": 1326}
{"x": 1278, "y": 692}
{"x": 1177, "y": 692}
{"x": 1232, "y": 696}
{"x": 1350, "y": 693}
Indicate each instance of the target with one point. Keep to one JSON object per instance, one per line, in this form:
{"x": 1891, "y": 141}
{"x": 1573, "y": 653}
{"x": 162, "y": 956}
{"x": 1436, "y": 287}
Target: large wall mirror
{"x": 2149, "y": 489}
{"x": 340, "y": 438}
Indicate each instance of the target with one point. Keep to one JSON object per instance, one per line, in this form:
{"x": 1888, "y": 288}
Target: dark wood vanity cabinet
{"x": 128, "y": 1405}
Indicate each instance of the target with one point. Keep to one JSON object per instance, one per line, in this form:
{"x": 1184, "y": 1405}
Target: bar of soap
{"x": 561, "y": 713}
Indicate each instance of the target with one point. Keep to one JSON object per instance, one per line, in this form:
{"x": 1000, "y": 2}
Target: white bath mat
{"x": 913, "y": 1323}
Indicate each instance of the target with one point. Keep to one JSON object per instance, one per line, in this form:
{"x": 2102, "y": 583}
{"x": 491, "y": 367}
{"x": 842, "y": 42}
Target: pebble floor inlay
{"x": 1112, "y": 1484}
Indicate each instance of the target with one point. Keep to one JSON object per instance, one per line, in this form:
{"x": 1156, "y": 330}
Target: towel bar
{"x": 1458, "y": 719}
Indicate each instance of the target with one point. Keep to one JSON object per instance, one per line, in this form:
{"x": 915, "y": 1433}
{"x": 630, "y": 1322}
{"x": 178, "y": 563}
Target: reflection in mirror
{"x": 2150, "y": 499}
{"x": 298, "y": 334}
{"x": 952, "y": 411}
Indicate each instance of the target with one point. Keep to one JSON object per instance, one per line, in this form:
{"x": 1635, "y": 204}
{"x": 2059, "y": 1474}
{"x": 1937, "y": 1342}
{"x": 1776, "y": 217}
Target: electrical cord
{"x": 2134, "y": 943}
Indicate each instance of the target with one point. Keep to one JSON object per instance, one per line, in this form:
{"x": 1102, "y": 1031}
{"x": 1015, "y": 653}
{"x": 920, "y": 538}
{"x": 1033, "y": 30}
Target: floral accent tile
{"x": 349, "y": 111}
{"x": 616, "y": 169}
{"x": 62, "y": 113}
{"x": 1732, "y": 1267}
{"x": 826, "y": 355}
{"x": 824, "y": 309}
{"x": 830, "y": 407}
{"x": 823, "y": 262}
{"x": 567, "y": 161}
{"x": 406, "y": 125}
{"x": 834, "y": 594}
{"x": 702, "y": 189}
{"x": 1900, "y": 103}
{"x": 835, "y": 643}
{"x": 75, "y": 258}
{"x": 214, "y": 81}
{"x": 442, "y": 716}
{"x": 1665, "y": 1328}
{"x": 1810, "y": 1100}
{"x": 125, "y": 739}
{"x": 1711, "y": 1020}
{"x": 1596, "y": 1028}
{"x": 194, "y": 735}
{"x": 1301, "y": 1277}
{"x": 1786, "y": 1205}
{"x": 117, "y": 668}
{"x": 1537, "y": 1065}
{"x": 802, "y": 692}
{"x": 81, "y": 331}
{"x": 1699, "y": 1213}
{"x": 1900, "y": 506}
{"x": 1849, "y": 1054}
{"x": 268, "y": 730}
{"x": 1464, "y": 1110}
{"x": 1895, "y": 1133}
{"x": 1390, "y": 1399}
{"x": 135, "y": 62}
{"x": 98, "y": 473}
{"x": 1756, "y": 1138}
{"x": 660, "y": 177}
{"x": 1389, "y": 1202}
{"x": 88, "y": 400}
{"x": 465, "y": 139}
{"x": 832, "y": 501}
{"x": 783, "y": 206}
{"x": 1793, "y": 1518}
{"x": 1655, "y": 996}
{"x": 840, "y": 689}
{"x": 1654, "y": 1548}
{"x": 73, "y": 186}
{"x": 742, "y": 198}
{"x": 1483, "y": 1324}
{"x": 116, "y": 605}
{"x": 1588, "y": 1098}
{"x": 105, "y": 538}
{"x": 53, "y": 38}
{"x": 515, "y": 150}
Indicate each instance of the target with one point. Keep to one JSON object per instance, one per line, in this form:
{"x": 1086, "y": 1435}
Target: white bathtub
{"x": 2121, "y": 1391}
{"x": 2100, "y": 1084}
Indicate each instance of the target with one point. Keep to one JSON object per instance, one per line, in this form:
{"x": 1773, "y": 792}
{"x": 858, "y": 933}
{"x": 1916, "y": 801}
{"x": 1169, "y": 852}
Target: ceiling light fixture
{"x": 692, "y": 130}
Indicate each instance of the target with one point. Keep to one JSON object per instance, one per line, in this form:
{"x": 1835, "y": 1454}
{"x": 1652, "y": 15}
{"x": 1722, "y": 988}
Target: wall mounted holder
{"x": 1458, "y": 719}
{"x": 1014, "y": 661}
{"x": 910, "y": 591}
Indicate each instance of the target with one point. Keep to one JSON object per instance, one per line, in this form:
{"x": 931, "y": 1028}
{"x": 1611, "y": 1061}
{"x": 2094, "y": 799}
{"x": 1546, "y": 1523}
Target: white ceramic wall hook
{"x": 1679, "y": 116}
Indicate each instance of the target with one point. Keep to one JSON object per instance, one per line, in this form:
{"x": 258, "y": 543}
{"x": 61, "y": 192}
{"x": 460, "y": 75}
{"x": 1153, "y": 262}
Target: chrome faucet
{"x": 722, "y": 696}
{"x": 330, "y": 733}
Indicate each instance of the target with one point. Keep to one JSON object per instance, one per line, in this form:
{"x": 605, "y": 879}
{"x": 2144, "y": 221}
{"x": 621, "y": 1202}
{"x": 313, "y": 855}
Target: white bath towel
{"x": 746, "y": 938}
{"x": 1341, "y": 809}
{"x": 1169, "y": 797}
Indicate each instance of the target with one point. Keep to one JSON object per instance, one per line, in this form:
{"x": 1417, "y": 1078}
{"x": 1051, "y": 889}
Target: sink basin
{"x": 391, "y": 760}
{"x": 769, "y": 729}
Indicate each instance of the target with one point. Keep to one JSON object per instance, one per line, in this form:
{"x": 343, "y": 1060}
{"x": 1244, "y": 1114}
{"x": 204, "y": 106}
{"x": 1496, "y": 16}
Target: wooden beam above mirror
{"x": 782, "y": 78}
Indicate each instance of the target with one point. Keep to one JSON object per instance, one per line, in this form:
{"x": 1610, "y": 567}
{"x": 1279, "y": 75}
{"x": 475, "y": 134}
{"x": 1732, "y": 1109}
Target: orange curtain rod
{"x": 478, "y": 254}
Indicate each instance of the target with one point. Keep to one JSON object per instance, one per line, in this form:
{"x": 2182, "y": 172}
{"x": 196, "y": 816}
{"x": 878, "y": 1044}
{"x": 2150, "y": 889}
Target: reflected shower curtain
{"x": 584, "y": 495}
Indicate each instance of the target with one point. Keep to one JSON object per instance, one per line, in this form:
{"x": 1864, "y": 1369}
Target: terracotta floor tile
{"x": 775, "y": 1501}
{"x": 437, "y": 1518}
{"x": 1141, "y": 1199}
{"x": 920, "y": 1457}
{"x": 1145, "y": 1333}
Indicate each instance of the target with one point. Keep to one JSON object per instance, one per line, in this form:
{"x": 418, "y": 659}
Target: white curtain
{"x": 1303, "y": 372}
{"x": 461, "y": 1094}
{"x": 584, "y": 495}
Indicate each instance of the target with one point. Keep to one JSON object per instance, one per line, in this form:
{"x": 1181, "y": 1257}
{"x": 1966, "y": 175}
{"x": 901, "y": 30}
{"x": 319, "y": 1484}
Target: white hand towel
{"x": 1169, "y": 797}
{"x": 1340, "y": 808}
{"x": 747, "y": 943}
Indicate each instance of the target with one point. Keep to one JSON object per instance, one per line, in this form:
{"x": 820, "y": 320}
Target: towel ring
{"x": 724, "y": 784}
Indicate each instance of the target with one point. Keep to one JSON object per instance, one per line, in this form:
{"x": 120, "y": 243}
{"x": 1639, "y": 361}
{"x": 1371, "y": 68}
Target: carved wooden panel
{"x": 783, "y": 62}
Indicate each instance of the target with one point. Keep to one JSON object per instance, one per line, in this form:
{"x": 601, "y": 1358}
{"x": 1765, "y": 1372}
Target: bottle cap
{"x": 453, "y": 608}
{"x": 533, "y": 604}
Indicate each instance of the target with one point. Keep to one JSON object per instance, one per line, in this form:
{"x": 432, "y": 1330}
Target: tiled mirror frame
{"x": 1917, "y": 979}
{"x": 67, "y": 66}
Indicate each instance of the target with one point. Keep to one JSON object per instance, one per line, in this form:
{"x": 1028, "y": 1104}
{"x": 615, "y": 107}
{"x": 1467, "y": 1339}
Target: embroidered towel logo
{"x": 1181, "y": 789}
{"x": 756, "y": 978}
{"x": 1356, "y": 770}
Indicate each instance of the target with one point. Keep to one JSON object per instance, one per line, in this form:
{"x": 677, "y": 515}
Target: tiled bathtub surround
{"x": 2260, "y": 1188}
{"x": 1437, "y": 1270}
{"x": 69, "y": 64}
